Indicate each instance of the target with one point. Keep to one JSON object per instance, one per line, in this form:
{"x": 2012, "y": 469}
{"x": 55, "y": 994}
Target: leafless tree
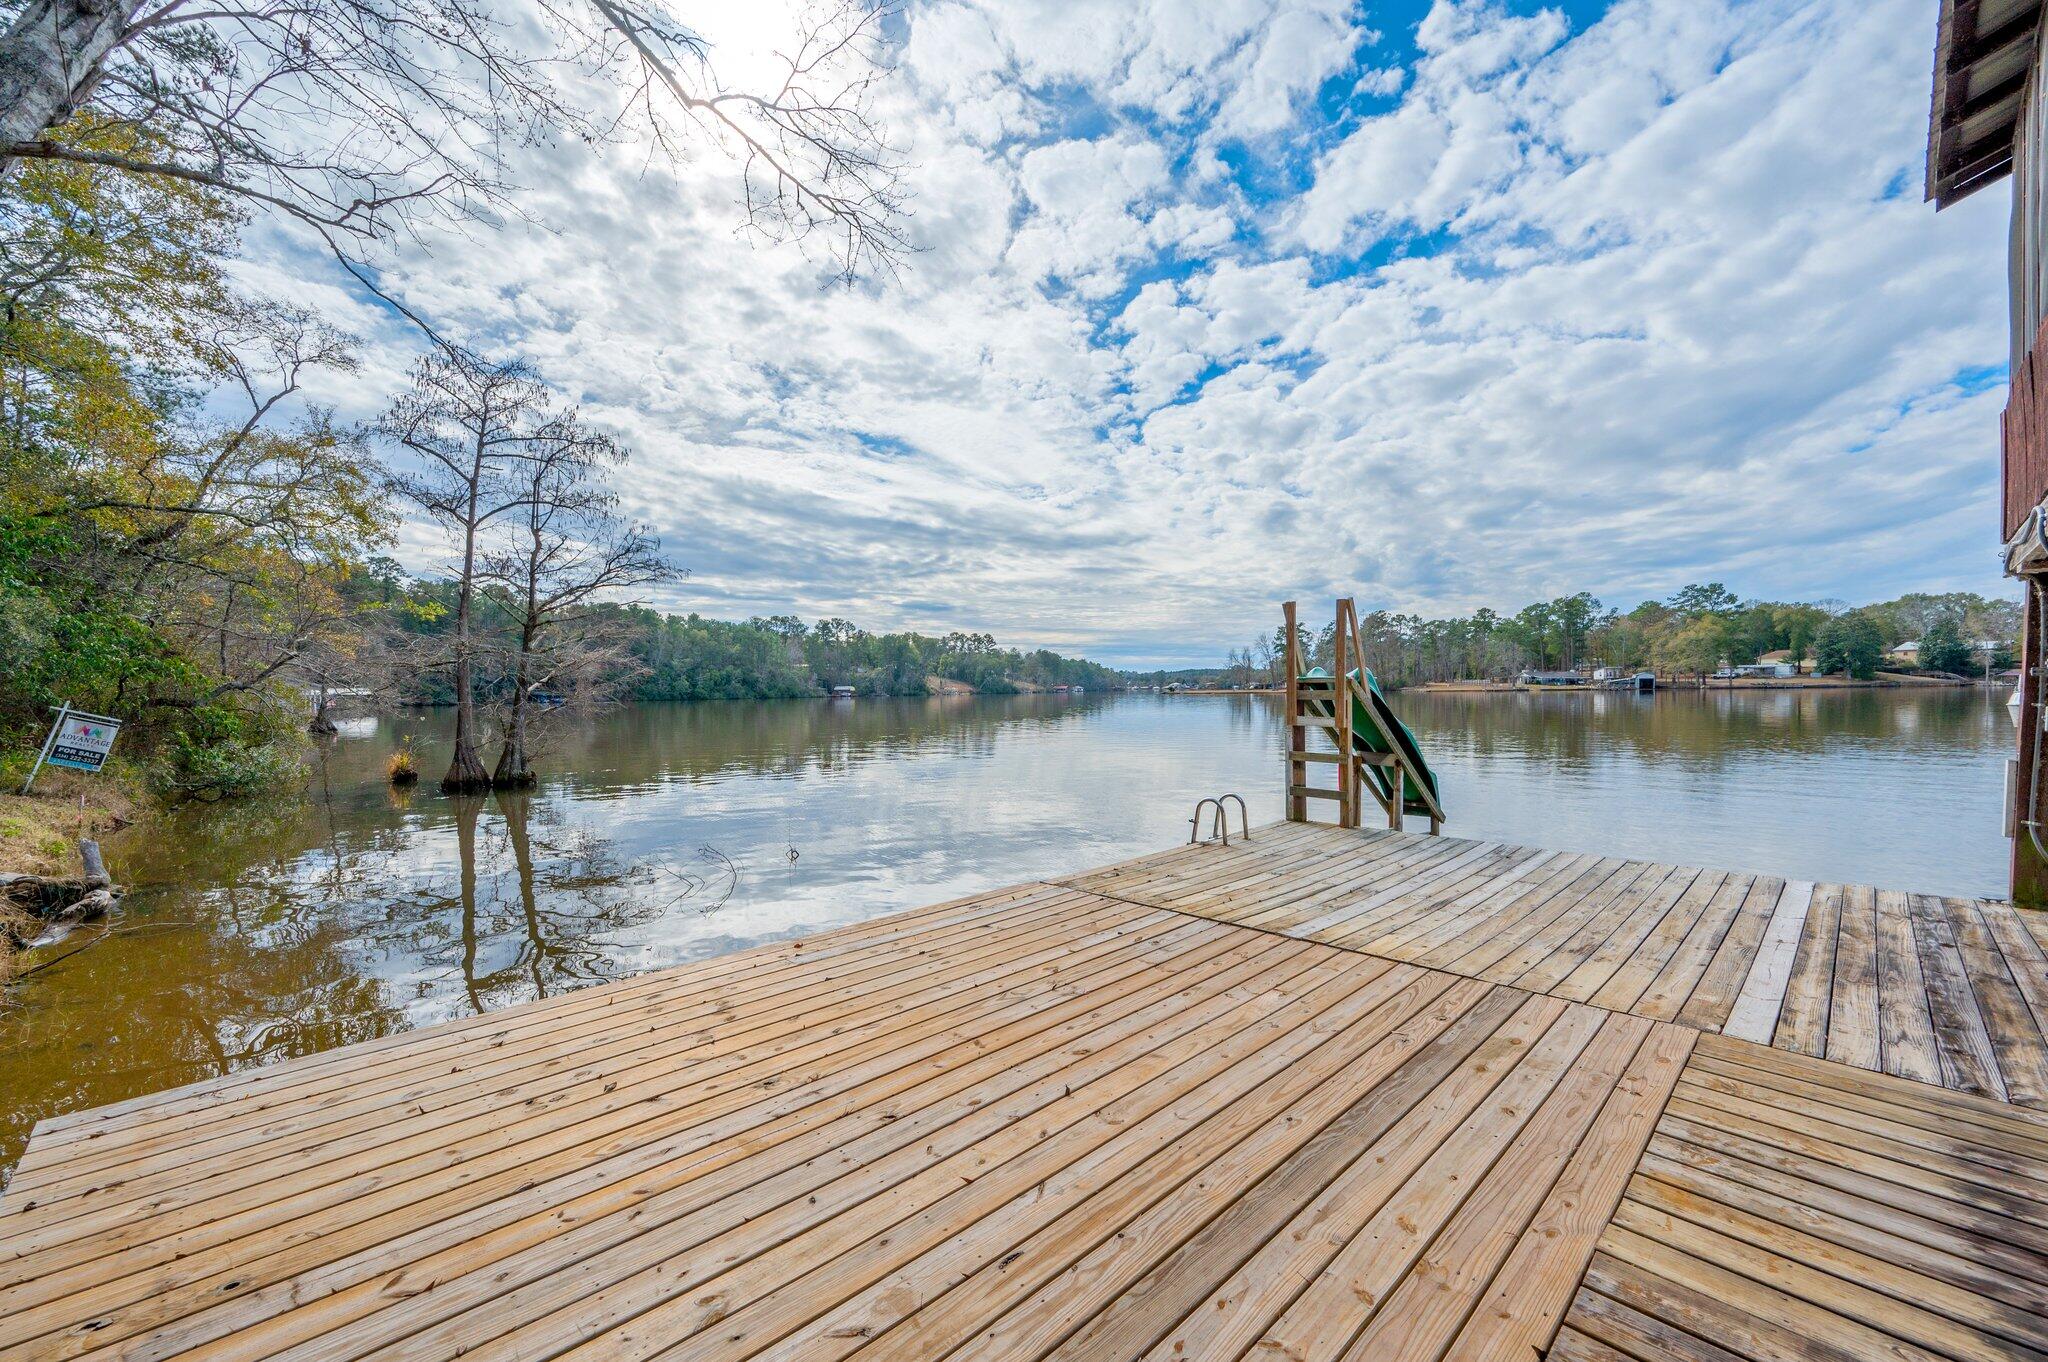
{"x": 364, "y": 117}
{"x": 567, "y": 548}
{"x": 469, "y": 425}
{"x": 367, "y": 660}
{"x": 816, "y": 164}
{"x": 1241, "y": 667}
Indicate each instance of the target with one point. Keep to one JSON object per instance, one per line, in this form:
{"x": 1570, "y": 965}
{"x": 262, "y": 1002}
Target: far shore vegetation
{"x": 1696, "y": 631}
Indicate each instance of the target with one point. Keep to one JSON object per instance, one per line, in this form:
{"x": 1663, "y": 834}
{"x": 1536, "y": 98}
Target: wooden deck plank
{"x": 1429, "y": 1308}
{"x": 1225, "y": 1107}
{"x": 1605, "y": 1330}
{"x": 1866, "y": 1244}
{"x": 1668, "y": 994}
{"x": 1319, "y": 902}
{"x": 1803, "y": 1019}
{"x": 1392, "y": 915}
{"x": 1962, "y": 1041}
{"x": 1597, "y": 970}
{"x": 164, "y": 1240}
{"x": 1364, "y": 906}
{"x": 1626, "y": 988}
{"x": 1474, "y": 925}
{"x": 1365, "y": 1271}
{"x": 302, "y": 1079}
{"x": 1399, "y": 1120}
{"x": 1905, "y": 1018}
{"x": 2014, "y": 1033}
{"x": 1947, "y": 991}
{"x": 1713, "y": 997}
{"x": 1047, "y": 1309}
{"x": 1530, "y": 1293}
{"x": 761, "y": 1283}
{"x": 560, "y": 1058}
{"x": 994, "y": 1167}
{"x": 2035, "y": 922}
{"x": 1806, "y": 1226}
{"x": 586, "y": 1097}
{"x": 2025, "y": 959}
{"x": 934, "y": 1104}
{"x": 1854, "y": 1029}
{"x": 1616, "y": 917}
{"x": 1762, "y": 996}
{"x": 1406, "y": 939}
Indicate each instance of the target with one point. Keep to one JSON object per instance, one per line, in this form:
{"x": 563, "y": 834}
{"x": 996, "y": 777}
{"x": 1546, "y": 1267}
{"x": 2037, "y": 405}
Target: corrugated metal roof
{"x": 1984, "y": 50}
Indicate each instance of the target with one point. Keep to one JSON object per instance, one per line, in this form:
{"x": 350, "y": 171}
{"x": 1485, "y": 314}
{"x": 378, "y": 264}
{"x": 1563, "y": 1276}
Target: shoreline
{"x": 1881, "y": 682}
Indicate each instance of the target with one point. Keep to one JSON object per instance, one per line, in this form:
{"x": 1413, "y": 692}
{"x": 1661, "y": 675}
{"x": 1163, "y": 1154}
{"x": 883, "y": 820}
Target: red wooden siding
{"x": 2026, "y": 437}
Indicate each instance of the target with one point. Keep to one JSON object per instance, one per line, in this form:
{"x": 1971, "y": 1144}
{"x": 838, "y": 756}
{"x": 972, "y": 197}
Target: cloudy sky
{"x": 1219, "y": 302}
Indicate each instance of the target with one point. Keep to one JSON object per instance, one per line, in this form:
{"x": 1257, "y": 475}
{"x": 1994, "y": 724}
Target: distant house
{"x": 1531, "y": 677}
{"x": 1762, "y": 667}
{"x": 1907, "y": 652}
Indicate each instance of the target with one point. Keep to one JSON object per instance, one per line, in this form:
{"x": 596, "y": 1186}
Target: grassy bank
{"x": 39, "y": 835}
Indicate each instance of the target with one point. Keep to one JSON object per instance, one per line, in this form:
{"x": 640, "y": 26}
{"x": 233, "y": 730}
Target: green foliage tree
{"x": 1708, "y": 598}
{"x": 1698, "y": 646}
{"x": 1943, "y": 649}
{"x": 1851, "y": 645}
{"x": 158, "y": 559}
{"x": 1798, "y": 626}
{"x": 1572, "y": 616}
{"x": 1572, "y": 630}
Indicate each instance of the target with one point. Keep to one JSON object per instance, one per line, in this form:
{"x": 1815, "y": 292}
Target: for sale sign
{"x": 82, "y": 741}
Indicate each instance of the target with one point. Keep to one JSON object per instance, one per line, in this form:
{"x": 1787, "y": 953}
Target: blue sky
{"x": 1442, "y": 304}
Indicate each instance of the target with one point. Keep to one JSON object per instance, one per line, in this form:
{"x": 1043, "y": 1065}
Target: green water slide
{"x": 1376, "y": 728}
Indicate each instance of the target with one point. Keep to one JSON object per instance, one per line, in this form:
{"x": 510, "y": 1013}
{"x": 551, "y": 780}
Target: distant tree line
{"x": 1699, "y": 629}
{"x": 688, "y": 657}
{"x": 632, "y": 652}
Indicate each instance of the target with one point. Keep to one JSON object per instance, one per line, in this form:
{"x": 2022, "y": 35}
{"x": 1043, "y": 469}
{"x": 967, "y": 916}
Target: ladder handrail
{"x": 1219, "y": 830}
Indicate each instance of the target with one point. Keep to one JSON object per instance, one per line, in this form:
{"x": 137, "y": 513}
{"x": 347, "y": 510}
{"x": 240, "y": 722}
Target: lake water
{"x": 664, "y": 833}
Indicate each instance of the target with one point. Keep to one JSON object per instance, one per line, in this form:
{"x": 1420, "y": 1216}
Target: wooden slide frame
{"x": 1386, "y": 765}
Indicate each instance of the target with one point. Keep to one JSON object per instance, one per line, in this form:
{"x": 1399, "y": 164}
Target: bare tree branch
{"x": 367, "y": 118}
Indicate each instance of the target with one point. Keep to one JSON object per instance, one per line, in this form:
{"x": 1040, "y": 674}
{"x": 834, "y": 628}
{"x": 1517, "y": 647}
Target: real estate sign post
{"x": 78, "y": 740}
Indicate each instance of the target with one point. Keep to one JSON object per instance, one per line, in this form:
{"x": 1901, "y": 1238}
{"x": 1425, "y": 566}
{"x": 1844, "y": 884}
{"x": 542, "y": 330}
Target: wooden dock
{"x": 1942, "y": 990}
{"x": 1322, "y": 1095}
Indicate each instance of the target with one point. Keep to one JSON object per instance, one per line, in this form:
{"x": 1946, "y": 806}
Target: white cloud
{"x": 1613, "y": 308}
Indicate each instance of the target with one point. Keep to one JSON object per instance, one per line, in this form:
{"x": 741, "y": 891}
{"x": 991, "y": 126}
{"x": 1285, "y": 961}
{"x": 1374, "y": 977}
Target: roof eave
{"x": 1979, "y": 90}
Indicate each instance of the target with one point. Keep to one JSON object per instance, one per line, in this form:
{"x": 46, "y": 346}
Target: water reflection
{"x": 673, "y": 832}
{"x": 1897, "y": 788}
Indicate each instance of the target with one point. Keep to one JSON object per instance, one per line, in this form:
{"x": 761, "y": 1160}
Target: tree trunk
{"x": 49, "y": 60}
{"x": 513, "y": 771}
{"x": 321, "y": 722}
{"x": 466, "y": 772}
{"x": 96, "y": 876}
